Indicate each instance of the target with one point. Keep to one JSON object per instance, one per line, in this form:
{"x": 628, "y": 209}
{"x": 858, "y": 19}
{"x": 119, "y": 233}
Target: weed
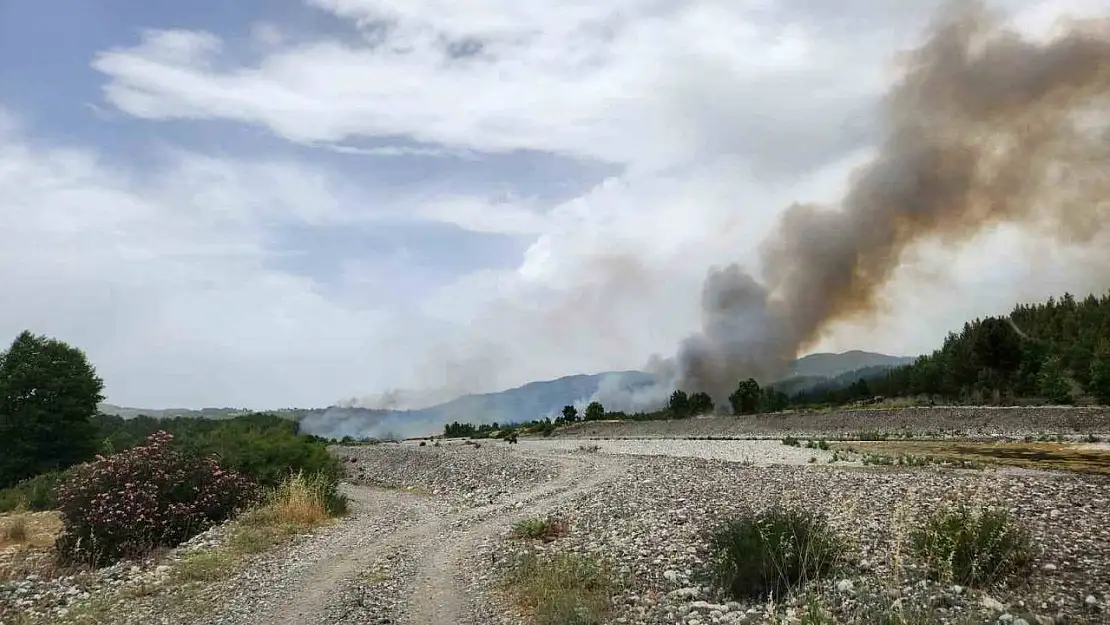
{"x": 772, "y": 552}
{"x": 545, "y": 529}
{"x": 1091, "y": 438}
{"x": 563, "y": 589}
{"x": 823, "y": 445}
{"x": 14, "y": 529}
{"x": 790, "y": 441}
{"x": 813, "y": 459}
{"x": 972, "y": 546}
{"x": 205, "y": 566}
{"x": 306, "y": 500}
{"x": 591, "y": 448}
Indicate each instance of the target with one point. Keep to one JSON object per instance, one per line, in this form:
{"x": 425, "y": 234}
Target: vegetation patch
{"x": 772, "y": 552}
{"x": 147, "y": 497}
{"x": 29, "y": 529}
{"x": 205, "y": 566}
{"x": 1031, "y": 455}
{"x": 539, "y": 528}
{"x": 972, "y": 546}
{"x": 562, "y": 589}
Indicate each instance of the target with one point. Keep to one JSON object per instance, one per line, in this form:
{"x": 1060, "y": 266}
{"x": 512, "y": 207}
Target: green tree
{"x": 1100, "y": 373}
{"x": 679, "y": 405}
{"x": 701, "y": 403}
{"x": 570, "y": 414}
{"x": 595, "y": 411}
{"x": 48, "y": 395}
{"x": 746, "y": 398}
{"x": 1052, "y": 383}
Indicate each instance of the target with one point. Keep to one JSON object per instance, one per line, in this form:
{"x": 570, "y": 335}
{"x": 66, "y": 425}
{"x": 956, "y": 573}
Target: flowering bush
{"x": 146, "y": 497}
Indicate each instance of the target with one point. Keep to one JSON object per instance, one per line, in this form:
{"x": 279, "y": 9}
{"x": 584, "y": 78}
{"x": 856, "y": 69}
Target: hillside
{"x": 618, "y": 390}
{"x": 1056, "y": 352}
{"x": 826, "y": 365}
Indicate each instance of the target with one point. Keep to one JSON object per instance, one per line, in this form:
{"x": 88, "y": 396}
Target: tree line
{"x": 49, "y": 422}
{"x": 1054, "y": 352}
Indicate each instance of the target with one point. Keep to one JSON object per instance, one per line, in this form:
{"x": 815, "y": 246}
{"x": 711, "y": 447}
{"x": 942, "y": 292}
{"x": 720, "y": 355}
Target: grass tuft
{"x": 14, "y": 529}
{"x": 772, "y": 553}
{"x": 538, "y": 528}
{"x": 563, "y": 589}
{"x": 205, "y": 566}
{"x": 972, "y": 546}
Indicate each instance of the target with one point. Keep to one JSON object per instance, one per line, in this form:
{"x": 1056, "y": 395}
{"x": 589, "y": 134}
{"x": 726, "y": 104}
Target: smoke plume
{"x": 984, "y": 127}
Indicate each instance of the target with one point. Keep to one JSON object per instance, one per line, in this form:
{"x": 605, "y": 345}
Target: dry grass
{"x": 27, "y": 544}
{"x": 299, "y": 501}
{"x": 1031, "y": 455}
{"x": 29, "y": 529}
{"x": 562, "y": 589}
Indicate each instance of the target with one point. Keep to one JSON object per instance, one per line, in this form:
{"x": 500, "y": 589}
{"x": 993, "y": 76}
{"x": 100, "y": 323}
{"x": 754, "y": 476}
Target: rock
{"x": 991, "y": 603}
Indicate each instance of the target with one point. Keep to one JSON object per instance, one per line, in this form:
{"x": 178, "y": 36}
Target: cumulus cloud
{"x": 714, "y": 115}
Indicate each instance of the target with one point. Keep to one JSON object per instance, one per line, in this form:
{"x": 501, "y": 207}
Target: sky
{"x": 279, "y": 203}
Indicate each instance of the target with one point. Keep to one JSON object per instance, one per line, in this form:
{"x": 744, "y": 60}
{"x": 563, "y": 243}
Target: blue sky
{"x": 290, "y": 202}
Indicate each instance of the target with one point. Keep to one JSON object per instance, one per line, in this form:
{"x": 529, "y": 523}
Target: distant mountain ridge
{"x": 535, "y": 399}
{"x": 828, "y": 365}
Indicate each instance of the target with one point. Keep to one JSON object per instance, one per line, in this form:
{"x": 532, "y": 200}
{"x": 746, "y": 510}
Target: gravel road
{"x": 429, "y": 536}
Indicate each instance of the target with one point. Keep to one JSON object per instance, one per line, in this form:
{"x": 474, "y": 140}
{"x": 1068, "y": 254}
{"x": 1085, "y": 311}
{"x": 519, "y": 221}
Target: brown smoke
{"x": 985, "y": 127}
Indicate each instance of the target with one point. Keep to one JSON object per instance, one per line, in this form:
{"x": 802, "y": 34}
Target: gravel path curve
{"x": 436, "y": 597}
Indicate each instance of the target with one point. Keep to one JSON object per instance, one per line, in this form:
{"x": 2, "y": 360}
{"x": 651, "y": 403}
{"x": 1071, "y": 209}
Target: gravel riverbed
{"x": 644, "y": 507}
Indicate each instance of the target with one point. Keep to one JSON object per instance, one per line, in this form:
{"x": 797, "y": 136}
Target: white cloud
{"x": 165, "y": 281}
{"x": 648, "y": 83}
{"x": 720, "y": 112}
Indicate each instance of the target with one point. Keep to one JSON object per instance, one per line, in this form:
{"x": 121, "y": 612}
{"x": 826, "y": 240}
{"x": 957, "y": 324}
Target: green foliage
{"x": 48, "y": 392}
{"x": 34, "y": 494}
{"x": 772, "y": 553}
{"x": 147, "y": 497}
{"x": 1040, "y": 352}
{"x": 1100, "y": 373}
{"x": 701, "y": 403}
{"x": 262, "y": 446}
{"x": 570, "y": 414}
{"x": 972, "y": 547}
{"x": 679, "y": 405}
{"x": 595, "y": 411}
{"x": 540, "y": 528}
{"x": 746, "y": 398}
{"x": 1051, "y": 382}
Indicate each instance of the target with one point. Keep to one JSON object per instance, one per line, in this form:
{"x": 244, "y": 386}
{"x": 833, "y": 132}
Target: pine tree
{"x": 1052, "y": 384}
{"x": 1100, "y": 373}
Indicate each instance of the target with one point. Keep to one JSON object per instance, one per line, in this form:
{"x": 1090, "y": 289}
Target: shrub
{"x": 146, "y": 497}
{"x": 771, "y": 552}
{"x": 543, "y": 529}
{"x": 268, "y": 451}
{"x": 972, "y": 546}
{"x": 563, "y": 589}
{"x": 307, "y": 500}
{"x": 790, "y": 441}
{"x": 35, "y": 494}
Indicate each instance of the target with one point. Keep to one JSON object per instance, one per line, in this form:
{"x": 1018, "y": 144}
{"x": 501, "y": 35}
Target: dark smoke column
{"x": 985, "y": 127}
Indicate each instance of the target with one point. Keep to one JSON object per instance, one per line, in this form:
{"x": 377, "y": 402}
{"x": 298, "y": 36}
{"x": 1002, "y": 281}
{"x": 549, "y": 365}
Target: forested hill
{"x": 1057, "y": 351}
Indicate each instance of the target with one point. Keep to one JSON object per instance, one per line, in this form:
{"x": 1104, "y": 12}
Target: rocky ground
{"x": 428, "y": 541}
